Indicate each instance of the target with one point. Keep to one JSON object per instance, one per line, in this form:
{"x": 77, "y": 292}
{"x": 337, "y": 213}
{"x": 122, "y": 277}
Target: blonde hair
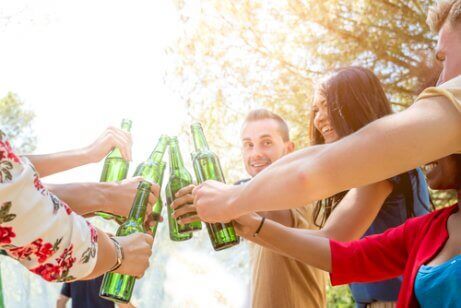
{"x": 443, "y": 11}
{"x": 264, "y": 114}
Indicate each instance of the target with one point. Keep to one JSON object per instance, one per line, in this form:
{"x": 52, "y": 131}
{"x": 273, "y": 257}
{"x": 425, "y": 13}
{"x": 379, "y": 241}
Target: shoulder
{"x": 448, "y": 91}
{"x": 417, "y": 223}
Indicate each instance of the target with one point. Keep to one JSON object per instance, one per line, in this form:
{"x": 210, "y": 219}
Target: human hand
{"x": 137, "y": 249}
{"x": 214, "y": 201}
{"x": 183, "y": 206}
{"x": 112, "y": 137}
{"x": 118, "y": 197}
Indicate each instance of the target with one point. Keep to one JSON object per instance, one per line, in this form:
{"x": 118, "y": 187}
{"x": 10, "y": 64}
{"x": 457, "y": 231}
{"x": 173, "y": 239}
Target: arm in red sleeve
{"x": 374, "y": 258}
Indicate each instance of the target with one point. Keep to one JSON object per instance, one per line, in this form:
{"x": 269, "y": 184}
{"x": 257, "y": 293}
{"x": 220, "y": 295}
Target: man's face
{"x": 262, "y": 144}
{"x": 449, "y": 52}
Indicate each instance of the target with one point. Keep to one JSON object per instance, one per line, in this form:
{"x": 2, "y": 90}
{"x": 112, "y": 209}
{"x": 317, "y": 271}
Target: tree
{"x": 232, "y": 56}
{"x": 16, "y": 122}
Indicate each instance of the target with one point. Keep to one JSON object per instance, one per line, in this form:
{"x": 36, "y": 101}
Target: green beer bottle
{"x": 153, "y": 169}
{"x": 207, "y": 167}
{"x": 115, "y": 167}
{"x": 158, "y": 206}
{"x": 148, "y": 169}
{"x": 179, "y": 178}
{"x": 117, "y": 287}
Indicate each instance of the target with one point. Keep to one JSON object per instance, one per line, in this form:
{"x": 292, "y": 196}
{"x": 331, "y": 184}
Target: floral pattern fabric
{"x": 38, "y": 229}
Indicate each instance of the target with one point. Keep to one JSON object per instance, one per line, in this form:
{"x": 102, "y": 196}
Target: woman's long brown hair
{"x": 354, "y": 98}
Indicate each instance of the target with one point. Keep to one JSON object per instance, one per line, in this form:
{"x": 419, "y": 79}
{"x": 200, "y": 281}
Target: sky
{"x": 82, "y": 66}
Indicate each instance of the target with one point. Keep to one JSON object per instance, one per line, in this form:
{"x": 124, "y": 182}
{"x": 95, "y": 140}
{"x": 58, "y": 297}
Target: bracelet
{"x": 119, "y": 252}
{"x": 259, "y": 228}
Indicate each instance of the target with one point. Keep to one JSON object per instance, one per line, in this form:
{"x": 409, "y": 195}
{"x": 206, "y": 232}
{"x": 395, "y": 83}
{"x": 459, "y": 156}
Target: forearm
{"x": 83, "y": 198}
{"x": 382, "y": 149}
{"x": 299, "y": 244}
{"x": 48, "y": 164}
{"x": 274, "y": 246}
{"x": 106, "y": 256}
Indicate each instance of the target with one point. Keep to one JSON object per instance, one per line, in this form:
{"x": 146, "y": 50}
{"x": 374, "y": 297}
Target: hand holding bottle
{"x": 137, "y": 249}
{"x": 184, "y": 204}
{"x": 214, "y": 201}
{"x": 112, "y": 137}
{"x": 119, "y": 196}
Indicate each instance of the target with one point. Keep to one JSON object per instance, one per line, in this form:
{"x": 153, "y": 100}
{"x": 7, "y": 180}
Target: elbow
{"x": 314, "y": 182}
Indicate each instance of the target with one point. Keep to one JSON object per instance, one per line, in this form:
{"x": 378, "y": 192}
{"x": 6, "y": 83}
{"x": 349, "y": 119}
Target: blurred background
{"x": 70, "y": 69}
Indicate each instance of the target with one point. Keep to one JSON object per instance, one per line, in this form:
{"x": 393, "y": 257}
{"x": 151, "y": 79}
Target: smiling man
{"x": 277, "y": 281}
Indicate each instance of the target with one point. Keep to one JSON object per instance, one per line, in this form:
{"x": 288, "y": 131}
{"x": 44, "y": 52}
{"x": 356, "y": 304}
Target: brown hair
{"x": 264, "y": 114}
{"x": 354, "y": 98}
{"x": 442, "y": 11}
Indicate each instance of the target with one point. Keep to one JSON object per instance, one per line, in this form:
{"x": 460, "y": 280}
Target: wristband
{"x": 260, "y": 226}
{"x": 119, "y": 252}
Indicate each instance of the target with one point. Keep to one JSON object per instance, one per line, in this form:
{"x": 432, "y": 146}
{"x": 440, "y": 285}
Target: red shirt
{"x": 398, "y": 251}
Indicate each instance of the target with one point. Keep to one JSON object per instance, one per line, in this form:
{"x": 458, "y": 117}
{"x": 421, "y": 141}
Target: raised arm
{"x": 48, "y": 164}
{"x": 428, "y": 130}
{"x": 349, "y": 221}
{"x": 372, "y": 258}
{"x": 115, "y": 198}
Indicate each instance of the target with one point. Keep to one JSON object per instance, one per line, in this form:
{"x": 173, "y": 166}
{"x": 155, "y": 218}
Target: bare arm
{"x": 115, "y": 198}
{"x": 356, "y": 212}
{"x": 349, "y": 221}
{"x": 137, "y": 248}
{"x": 427, "y": 131}
{"x": 49, "y": 164}
{"x": 291, "y": 242}
{"x": 283, "y": 217}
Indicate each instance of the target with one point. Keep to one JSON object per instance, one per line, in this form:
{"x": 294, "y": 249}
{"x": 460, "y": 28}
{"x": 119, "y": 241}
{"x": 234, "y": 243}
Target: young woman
{"x": 426, "y": 250}
{"x": 343, "y": 103}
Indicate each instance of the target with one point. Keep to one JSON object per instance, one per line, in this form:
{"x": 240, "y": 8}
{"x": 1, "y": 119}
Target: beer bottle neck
{"x": 159, "y": 150}
{"x": 176, "y": 161}
{"x": 138, "y": 210}
{"x": 199, "y": 138}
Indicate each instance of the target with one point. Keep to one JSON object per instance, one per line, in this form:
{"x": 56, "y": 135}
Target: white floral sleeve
{"x": 37, "y": 228}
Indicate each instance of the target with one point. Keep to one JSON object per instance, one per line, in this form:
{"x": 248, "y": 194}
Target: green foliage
{"x": 234, "y": 56}
{"x": 16, "y": 122}
{"x": 339, "y": 297}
